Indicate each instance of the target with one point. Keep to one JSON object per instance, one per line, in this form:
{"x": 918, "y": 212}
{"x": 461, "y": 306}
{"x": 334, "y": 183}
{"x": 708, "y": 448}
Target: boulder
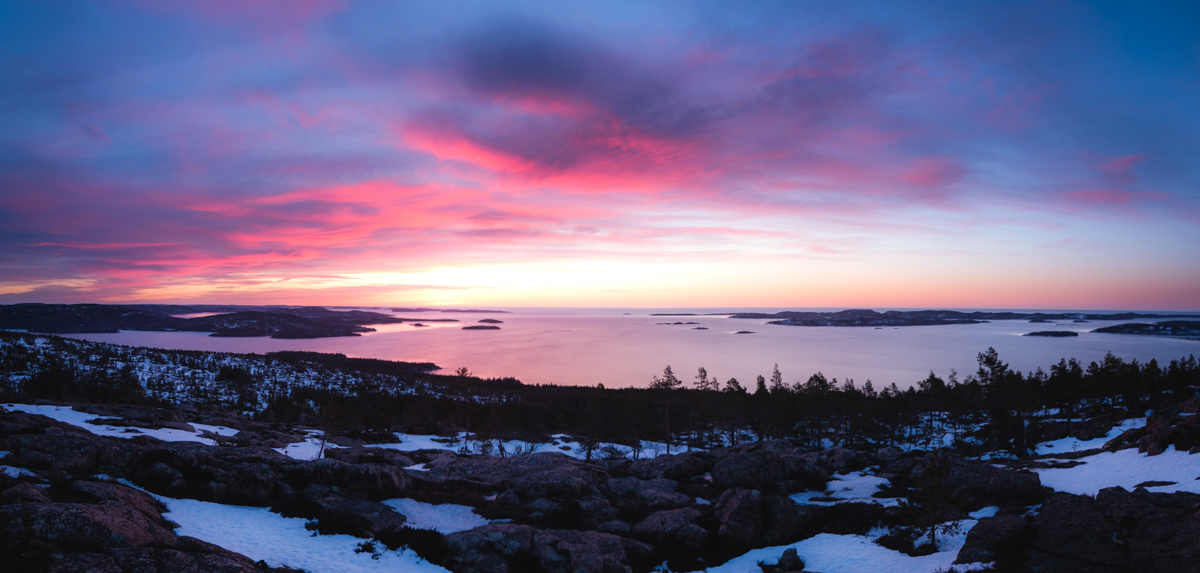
{"x": 87, "y": 527}
{"x": 769, "y": 467}
{"x": 641, "y": 496}
{"x": 989, "y": 539}
{"x": 673, "y": 466}
{"x": 968, "y": 478}
{"x": 339, "y": 514}
{"x": 749, "y": 519}
{"x": 505, "y": 548}
{"x": 661, "y": 526}
{"x": 531, "y": 476}
{"x": 756, "y": 469}
{"x": 1118, "y": 531}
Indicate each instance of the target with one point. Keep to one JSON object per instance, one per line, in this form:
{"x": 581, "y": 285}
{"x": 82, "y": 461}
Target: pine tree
{"x": 777, "y": 386}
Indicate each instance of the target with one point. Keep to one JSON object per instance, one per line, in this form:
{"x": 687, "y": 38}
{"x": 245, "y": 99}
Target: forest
{"x": 994, "y": 408}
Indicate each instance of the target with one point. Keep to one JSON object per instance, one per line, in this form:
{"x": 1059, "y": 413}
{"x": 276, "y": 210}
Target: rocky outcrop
{"x": 767, "y": 466}
{"x": 343, "y": 514}
{"x": 673, "y": 466}
{"x": 531, "y": 476}
{"x": 521, "y": 548}
{"x": 639, "y": 496}
{"x": 1116, "y": 532}
{"x": 993, "y": 538}
{"x": 1177, "y": 427}
{"x": 99, "y": 527}
{"x": 971, "y": 479}
{"x": 662, "y": 526}
{"x": 749, "y": 519}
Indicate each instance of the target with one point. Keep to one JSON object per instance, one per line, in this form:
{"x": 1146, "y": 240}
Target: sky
{"x": 604, "y": 154}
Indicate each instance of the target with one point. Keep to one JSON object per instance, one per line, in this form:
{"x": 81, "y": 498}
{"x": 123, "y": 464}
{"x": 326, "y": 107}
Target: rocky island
{"x": 1189, "y": 329}
{"x": 225, "y": 321}
{"x": 1053, "y": 333}
{"x": 866, "y": 317}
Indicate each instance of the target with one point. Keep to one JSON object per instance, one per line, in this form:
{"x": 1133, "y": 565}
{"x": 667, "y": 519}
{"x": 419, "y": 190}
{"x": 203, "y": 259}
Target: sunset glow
{"x": 797, "y": 154}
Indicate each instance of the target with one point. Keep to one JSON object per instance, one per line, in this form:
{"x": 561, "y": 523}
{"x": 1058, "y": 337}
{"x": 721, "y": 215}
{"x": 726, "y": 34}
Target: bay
{"x": 627, "y": 347}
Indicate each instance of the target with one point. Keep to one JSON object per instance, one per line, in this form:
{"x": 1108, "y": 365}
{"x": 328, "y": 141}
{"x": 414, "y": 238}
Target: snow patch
{"x": 66, "y": 415}
{"x": 15, "y": 472}
{"x": 283, "y": 541}
{"x": 1126, "y": 468}
{"x": 1077, "y": 445}
{"x": 830, "y": 553}
{"x": 445, "y": 518}
{"x": 849, "y": 487}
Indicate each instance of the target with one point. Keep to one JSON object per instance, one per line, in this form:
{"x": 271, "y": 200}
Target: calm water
{"x": 593, "y": 346}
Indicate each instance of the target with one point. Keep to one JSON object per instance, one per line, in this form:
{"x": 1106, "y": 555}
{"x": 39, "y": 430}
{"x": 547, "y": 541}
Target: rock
{"x": 691, "y": 537}
{"x": 1072, "y": 535}
{"x": 24, "y": 492}
{"x": 835, "y": 459}
{"x": 789, "y": 561}
{"x": 1118, "y": 531}
{"x": 1161, "y": 530}
{"x": 338, "y": 514}
{"x": 758, "y": 469}
{"x": 500, "y": 548}
{"x": 768, "y": 467}
{"x": 641, "y": 496}
{"x": 509, "y": 498}
{"x": 531, "y": 476}
{"x": 661, "y": 526}
{"x": 988, "y": 539}
{"x": 673, "y": 466}
{"x": 888, "y": 455}
{"x": 616, "y": 527}
{"x": 739, "y": 512}
{"x": 750, "y": 519}
{"x": 87, "y": 527}
{"x": 902, "y": 466}
{"x": 975, "y": 479}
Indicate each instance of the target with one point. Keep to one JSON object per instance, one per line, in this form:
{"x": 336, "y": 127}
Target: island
{"x": 468, "y": 310}
{"x": 223, "y": 321}
{"x": 866, "y": 317}
{"x": 481, "y": 327}
{"x": 1189, "y": 329}
{"x": 492, "y": 321}
{"x": 1053, "y": 333}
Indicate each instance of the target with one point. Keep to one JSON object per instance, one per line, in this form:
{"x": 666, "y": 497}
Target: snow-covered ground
{"x": 854, "y": 486}
{"x": 311, "y": 448}
{"x": 15, "y": 472}
{"x": 1066, "y": 445}
{"x": 261, "y": 535}
{"x": 80, "y": 420}
{"x": 560, "y": 443}
{"x": 1127, "y": 468}
{"x": 830, "y": 553}
{"x": 445, "y": 518}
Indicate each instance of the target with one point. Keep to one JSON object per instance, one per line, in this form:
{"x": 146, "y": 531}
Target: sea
{"x": 628, "y": 347}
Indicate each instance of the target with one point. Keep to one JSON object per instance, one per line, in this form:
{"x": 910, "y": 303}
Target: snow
{"x": 1126, "y": 468}
{"x": 261, "y": 535}
{"x": 1077, "y": 445}
{"x": 445, "y": 518}
{"x": 830, "y": 553}
{"x": 985, "y": 512}
{"x": 15, "y": 472}
{"x": 80, "y": 420}
{"x": 848, "y": 487}
{"x": 310, "y": 449}
{"x": 560, "y": 443}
